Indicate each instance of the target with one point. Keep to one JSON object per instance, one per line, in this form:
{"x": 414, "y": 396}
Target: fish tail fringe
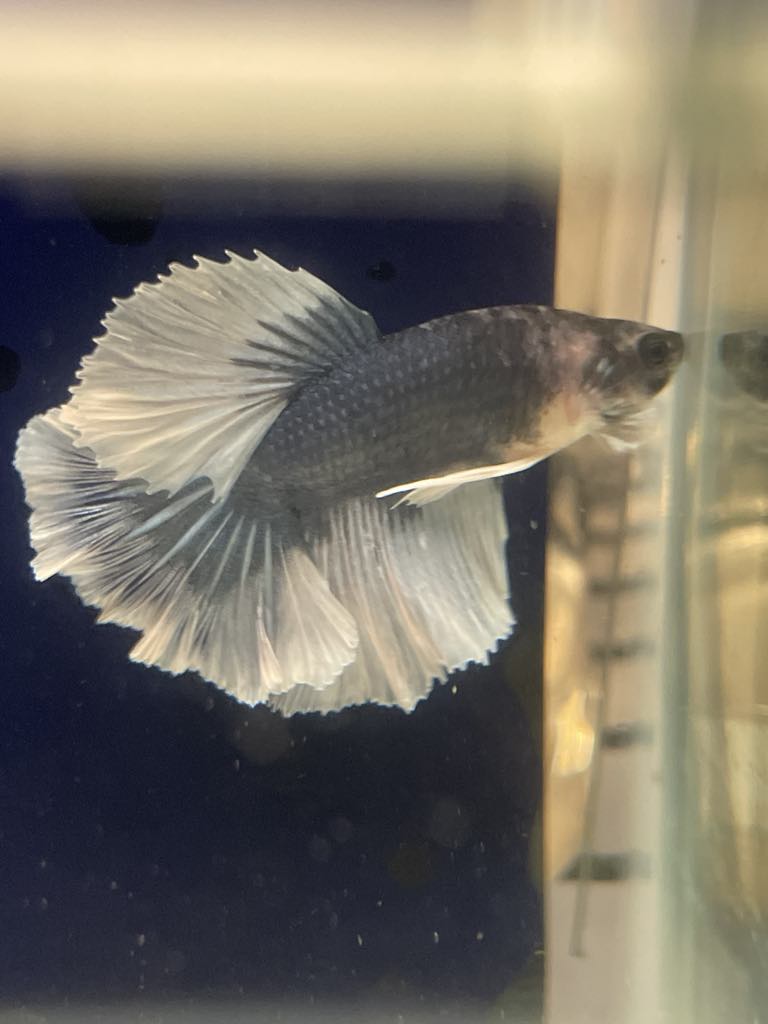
{"x": 372, "y": 605}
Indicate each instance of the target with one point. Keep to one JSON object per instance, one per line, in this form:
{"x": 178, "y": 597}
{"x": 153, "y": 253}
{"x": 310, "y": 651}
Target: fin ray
{"x": 427, "y": 588}
{"x": 182, "y": 570}
{"x": 216, "y": 352}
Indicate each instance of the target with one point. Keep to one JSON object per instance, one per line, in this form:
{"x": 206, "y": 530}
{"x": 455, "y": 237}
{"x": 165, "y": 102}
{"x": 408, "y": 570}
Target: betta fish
{"x": 300, "y": 509}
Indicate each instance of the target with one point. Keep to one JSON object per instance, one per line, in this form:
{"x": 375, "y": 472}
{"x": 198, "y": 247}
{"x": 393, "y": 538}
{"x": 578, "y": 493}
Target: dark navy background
{"x": 157, "y": 838}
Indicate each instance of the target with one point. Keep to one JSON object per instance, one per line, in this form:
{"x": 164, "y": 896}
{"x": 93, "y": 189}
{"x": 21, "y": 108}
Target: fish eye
{"x": 656, "y": 349}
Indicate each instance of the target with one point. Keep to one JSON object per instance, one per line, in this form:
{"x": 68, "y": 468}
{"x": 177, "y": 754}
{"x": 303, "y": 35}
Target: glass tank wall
{"x": 656, "y": 594}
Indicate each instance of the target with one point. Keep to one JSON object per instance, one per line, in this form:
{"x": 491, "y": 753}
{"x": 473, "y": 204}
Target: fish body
{"x": 479, "y": 389}
{"x": 381, "y": 419}
{"x": 303, "y": 510}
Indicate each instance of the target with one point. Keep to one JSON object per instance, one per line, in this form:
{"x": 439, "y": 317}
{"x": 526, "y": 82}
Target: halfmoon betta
{"x": 303, "y": 511}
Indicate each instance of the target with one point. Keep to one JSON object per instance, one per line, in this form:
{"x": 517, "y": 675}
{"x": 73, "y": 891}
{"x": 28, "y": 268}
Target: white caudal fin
{"x": 194, "y": 369}
{"x": 209, "y": 589}
{"x": 428, "y": 591}
{"x": 370, "y": 604}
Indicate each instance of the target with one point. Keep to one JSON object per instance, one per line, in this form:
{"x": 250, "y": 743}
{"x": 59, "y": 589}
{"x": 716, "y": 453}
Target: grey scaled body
{"x": 420, "y": 403}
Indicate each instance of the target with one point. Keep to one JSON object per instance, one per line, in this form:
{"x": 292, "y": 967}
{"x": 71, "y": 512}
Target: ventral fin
{"x": 428, "y": 591}
{"x": 425, "y": 495}
{"x": 424, "y": 492}
{"x": 193, "y": 369}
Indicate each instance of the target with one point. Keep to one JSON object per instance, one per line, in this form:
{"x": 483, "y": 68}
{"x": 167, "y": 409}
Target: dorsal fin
{"x": 194, "y": 369}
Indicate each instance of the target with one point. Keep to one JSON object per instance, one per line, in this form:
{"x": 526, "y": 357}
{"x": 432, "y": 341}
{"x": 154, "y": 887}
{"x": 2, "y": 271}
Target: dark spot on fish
{"x": 10, "y": 366}
{"x": 745, "y": 356}
{"x": 125, "y": 213}
{"x": 381, "y": 271}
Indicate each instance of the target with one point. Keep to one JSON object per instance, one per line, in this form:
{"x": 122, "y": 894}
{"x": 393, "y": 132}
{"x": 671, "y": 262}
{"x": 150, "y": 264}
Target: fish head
{"x": 629, "y": 364}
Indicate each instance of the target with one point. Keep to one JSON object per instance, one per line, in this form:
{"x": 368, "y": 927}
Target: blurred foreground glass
{"x": 657, "y": 824}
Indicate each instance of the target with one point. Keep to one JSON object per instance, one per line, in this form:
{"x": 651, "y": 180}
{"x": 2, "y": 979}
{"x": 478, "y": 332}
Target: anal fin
{"x": 428, "y": 590}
